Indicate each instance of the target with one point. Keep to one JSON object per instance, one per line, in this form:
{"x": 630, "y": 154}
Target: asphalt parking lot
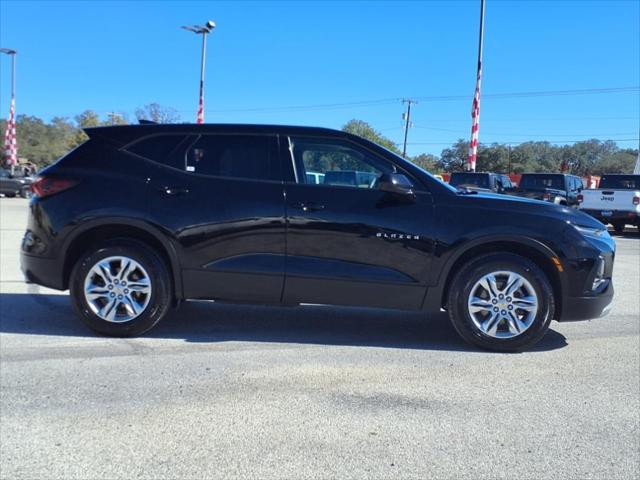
{"x": 234, "y": 392}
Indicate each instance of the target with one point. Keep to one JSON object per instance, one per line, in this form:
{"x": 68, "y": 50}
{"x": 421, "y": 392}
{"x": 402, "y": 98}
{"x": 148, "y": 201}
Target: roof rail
{"x": 144, "y": 121}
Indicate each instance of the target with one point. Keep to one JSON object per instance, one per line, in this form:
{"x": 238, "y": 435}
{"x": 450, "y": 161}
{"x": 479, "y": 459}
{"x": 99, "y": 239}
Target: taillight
{"x": 636, "y": 200}
{"x": 546, "y": 196}
{"x": 45, "y": 186}
{"x": 580, "y": 198}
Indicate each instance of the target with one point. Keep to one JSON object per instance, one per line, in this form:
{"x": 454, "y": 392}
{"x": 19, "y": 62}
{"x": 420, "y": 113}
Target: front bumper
{"x": 586, "y": 308}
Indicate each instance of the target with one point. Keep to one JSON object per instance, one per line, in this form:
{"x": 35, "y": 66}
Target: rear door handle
{"x": 309, "y": 206}
{"x": 174, "y": 190}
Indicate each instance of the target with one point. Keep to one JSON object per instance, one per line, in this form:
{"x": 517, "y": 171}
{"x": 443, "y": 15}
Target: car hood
{"x": 530, "y": 206}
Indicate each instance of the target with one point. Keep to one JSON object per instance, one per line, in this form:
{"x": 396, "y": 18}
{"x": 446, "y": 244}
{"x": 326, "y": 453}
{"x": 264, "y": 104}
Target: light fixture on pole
{"x": 203, "y": 30}
{"x": 10, "y": 144}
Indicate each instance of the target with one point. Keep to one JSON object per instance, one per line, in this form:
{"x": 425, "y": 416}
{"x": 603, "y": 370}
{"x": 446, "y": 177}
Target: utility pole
{"x": 407, "y": 124}
{"x": 112, "y": 117}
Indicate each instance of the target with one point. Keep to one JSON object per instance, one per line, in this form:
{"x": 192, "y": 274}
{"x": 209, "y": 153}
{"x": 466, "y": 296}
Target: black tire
{"x": 25, "y": 192}
{"x": 469, "y": 274}
{"x": 10, "y": 195}
{"x": 618, "y": 227}
{"x": 160, "y": 297}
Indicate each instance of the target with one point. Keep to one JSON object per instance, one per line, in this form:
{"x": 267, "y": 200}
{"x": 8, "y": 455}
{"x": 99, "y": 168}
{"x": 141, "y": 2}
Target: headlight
{"x": 590, "y": 231}
{"x": 599, "y": 278}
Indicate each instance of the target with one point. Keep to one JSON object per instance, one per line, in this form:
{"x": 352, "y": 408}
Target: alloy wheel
{"x": 117, "y": 289}
{"x": 503, "y": 304}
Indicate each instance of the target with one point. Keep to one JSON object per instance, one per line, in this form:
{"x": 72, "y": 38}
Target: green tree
{"x": 157, "y": 113}
{"x": 86, "y": 119}
{"x": 427, "y": 162}
{"x": 364, "y": 130}
{"x": 454, "y": 158}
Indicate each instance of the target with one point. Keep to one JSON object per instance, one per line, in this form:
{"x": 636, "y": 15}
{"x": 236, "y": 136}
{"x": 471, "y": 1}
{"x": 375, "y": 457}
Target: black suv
{"x": 481, "y": 181}
{"x": 558, "y": 188}
{"x": 139, "y": 218}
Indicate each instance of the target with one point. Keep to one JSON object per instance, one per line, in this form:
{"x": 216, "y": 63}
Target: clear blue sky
{"x": 116, "y": 56}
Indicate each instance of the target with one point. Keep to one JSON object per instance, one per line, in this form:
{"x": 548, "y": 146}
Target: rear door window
{"x": 235, "y": 156}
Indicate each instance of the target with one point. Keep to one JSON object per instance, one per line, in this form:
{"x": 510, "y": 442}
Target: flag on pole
{"x": 475, "y": 124}
{"x": 10, "y": 145}
{"x": 200, "y": 117}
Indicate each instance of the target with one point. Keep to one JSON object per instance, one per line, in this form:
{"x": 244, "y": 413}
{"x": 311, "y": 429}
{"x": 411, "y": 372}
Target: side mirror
{"x": 396, "y": 183}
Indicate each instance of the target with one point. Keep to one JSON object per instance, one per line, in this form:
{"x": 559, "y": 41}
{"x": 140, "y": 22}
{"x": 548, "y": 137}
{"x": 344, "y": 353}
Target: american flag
{"x": 200, "y": 117}
{"x": 475, "y": 125}
{"x": 10, "y": 145}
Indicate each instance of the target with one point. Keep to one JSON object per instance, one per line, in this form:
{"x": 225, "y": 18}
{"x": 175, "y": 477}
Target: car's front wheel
{"x": 501, "y": 302}
{"x": 121, "y": 288}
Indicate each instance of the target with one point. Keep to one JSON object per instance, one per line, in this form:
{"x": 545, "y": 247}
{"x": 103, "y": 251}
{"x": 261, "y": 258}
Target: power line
{"x": 491, "y": 133}
{"x": 534, "y": 119}
{"x": 526, "y": 141}
{"x": 544, "y": 93}
{"x": 387, "y": 101}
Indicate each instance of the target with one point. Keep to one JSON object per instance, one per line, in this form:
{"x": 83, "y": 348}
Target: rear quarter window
{"x": 165, "y": 149}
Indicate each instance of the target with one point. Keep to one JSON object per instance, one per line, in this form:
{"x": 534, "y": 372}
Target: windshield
{"x": 479, "y": 180}
{"x": 621, "y": 182}
{"x": 542, "y": 181}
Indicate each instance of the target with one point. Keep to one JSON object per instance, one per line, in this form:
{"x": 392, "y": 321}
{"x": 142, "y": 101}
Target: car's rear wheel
{"x": 121, "y": 288}
{"x": 618, "y": 227}
{"x": 501, "y": 302}
{"x": 25, "y": 192}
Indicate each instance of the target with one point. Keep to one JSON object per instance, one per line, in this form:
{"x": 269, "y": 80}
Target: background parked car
{"x": 617, "y": 201}
{"x": 11, "y": 185}
{"x": 481, "y": 181}
{"x": 556, "y": 188}
{"x": 349, "y": 177}
{"x": 315, "y": 177}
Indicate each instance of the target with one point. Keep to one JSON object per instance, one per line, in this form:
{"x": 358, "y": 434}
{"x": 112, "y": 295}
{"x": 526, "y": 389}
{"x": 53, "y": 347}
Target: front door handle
{"x": 174, "y": 190}
{"x": 309, "y": 206}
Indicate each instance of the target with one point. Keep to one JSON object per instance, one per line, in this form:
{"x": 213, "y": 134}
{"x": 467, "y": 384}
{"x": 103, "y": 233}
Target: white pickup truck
{"x": 617, "y": 201}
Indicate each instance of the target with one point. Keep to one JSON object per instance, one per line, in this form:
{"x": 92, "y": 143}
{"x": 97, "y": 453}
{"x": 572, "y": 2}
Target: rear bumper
{"x": 586, "y": 308}
{"x": 628, "y": 217}
{"x": 43, "y": 271}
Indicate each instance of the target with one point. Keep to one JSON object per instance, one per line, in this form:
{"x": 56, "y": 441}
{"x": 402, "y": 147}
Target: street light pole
{"x": 203, "y": 30}
{"x": 11, "y": 150}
